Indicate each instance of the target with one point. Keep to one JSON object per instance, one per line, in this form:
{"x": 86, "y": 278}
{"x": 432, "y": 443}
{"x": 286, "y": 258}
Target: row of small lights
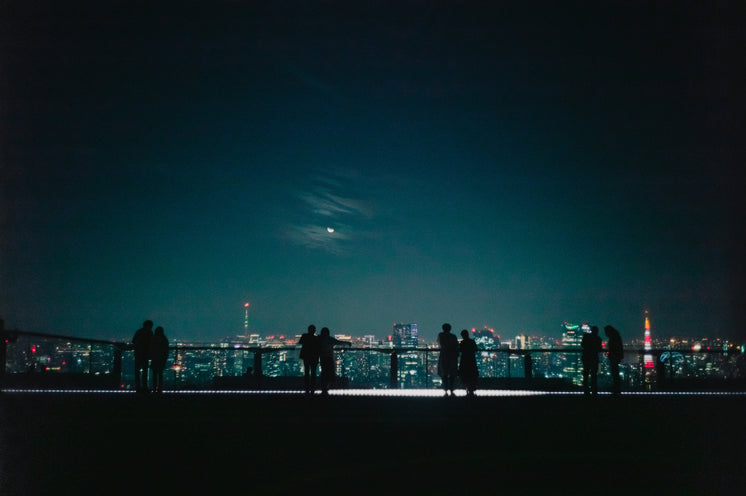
{"x": 380, "y": 392}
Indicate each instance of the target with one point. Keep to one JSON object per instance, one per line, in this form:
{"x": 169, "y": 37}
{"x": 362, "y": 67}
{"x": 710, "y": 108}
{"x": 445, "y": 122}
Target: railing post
{"x": 528, "y": 366}
{"x": 258, "y": 363}
{"x": 393, "y": 379}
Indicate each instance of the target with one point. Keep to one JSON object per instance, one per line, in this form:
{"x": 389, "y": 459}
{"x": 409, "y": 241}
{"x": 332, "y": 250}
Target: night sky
{"x": 480, "y": 163}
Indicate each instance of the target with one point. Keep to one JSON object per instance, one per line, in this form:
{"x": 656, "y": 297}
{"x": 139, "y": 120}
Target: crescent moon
{"x": 330, "y": 229}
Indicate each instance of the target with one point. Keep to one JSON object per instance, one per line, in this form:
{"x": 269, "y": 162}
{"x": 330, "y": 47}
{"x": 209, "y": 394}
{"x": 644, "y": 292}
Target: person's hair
{"x": 464, "y": 334}
{"x": 312, "y": 328}
{"x": 325, "y": 331}
{"x": 159, "y": 330}
{"x": 446, "y": 327}
{"x": 147, "y": 323}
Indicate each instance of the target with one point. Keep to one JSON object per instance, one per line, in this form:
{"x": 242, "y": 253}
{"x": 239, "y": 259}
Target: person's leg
{"x": 137, "y": 378}
{"x": 139, "y": 384}
{"x": 616, "y": 380}
{"x": 307, "y": 376}
{"x": 314, "y": 366}
{"x": 586, "y": 371}
{"x": 594, "y": 380}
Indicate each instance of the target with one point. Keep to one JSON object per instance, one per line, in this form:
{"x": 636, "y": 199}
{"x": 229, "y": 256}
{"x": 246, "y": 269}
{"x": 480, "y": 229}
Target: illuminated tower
{"x": 246, "y": 319}
{"x": 648, "y": 358}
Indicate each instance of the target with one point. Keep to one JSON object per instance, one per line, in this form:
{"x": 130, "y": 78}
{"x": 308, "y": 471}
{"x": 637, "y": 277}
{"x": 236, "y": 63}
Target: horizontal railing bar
{"x": 63, "y": 337}
{"x": 270, "y": 349}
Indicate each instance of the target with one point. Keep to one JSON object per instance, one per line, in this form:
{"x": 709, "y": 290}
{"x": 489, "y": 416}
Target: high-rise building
{"x": 521, "y": 342}
{"x": 572, "y": 337}
{"x": 405, "y": 336}
{"x": 410, "y": 372}
{"x": 490, "y": 363}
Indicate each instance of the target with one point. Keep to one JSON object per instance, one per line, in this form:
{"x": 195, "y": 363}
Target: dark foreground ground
{"x": 254, "y": 444}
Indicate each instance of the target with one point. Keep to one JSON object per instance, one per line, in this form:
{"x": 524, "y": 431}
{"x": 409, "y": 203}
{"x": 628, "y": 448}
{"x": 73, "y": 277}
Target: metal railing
{"x": 33, "y": 359}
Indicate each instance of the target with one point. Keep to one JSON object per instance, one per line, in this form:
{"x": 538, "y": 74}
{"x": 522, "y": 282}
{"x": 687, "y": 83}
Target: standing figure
{"x": 141, "y": 343}
{"x": 616, "y": 353}
{"x": 467, "y": 368}
{"x": 448, "y": 359}
{"x": 158, "y": 358}
{"x": 591, "y": 345}
{"x": 309, "y": 353}
{"x": 326, "y": 354}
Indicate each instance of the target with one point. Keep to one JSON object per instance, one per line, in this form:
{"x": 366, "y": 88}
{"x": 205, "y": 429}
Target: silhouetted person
{"x": 616, "y": 353}
{"x": 467, "y": 368}
{"x": 309, "y": 353}
{"x": 591, "y": 345}
{"x": 141, "y": 342}
{"x": 158, "y": 358}
{"x": 326, "y": 355}
{"x": 448, "y": 359}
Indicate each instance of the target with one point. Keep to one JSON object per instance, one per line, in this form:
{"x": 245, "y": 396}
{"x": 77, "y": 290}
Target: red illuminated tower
{"x": 648, "y": 358}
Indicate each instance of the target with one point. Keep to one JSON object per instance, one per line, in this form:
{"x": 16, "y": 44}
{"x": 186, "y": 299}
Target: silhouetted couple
{"x": 448, "y": 366}
{"x": 591, "y": 345}
{"x": 150, "y": 347}
{"x": 315, "y": 350}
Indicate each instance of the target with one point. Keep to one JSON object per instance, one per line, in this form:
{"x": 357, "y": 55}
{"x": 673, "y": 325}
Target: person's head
{"x": 594, "y": 330}
{"x": 148, "y": 324}
{"x": 446, "y": 327}
{"x": 159, "y": 331}
{"x": 465, "y": 334}
{"x": 312, "y": 329}
{"x": 610, "y": 331}
{"x": 325, "y": 331}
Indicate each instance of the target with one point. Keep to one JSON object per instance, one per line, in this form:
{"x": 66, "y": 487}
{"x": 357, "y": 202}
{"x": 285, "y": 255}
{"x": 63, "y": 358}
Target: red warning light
{"x": 33, "y": 349}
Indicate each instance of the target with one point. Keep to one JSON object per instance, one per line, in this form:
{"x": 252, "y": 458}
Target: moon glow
{"x": 330, "y": 229}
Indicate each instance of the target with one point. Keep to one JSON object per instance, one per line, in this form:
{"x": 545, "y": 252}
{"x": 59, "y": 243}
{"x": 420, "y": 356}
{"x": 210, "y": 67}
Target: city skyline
{"x": 355, "y": 166}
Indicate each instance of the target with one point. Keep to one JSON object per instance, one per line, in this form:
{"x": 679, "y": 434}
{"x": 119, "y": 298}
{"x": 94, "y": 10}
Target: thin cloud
{"x": 318, "y": 237}
{"x": 329, "y": 202}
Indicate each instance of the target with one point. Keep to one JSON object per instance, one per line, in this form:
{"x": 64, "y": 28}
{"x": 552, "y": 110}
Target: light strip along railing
{"x": 383, "y": 367}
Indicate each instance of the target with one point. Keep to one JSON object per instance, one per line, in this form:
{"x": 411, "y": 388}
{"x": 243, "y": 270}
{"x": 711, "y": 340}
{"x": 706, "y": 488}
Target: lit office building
{"x": 572, "y": 337}
{"x": 405, "y": 336}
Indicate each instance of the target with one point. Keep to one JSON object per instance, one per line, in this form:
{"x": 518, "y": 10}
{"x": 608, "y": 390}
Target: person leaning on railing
{"x": 326, "y": 357}
{"x": 158, "y": 358}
